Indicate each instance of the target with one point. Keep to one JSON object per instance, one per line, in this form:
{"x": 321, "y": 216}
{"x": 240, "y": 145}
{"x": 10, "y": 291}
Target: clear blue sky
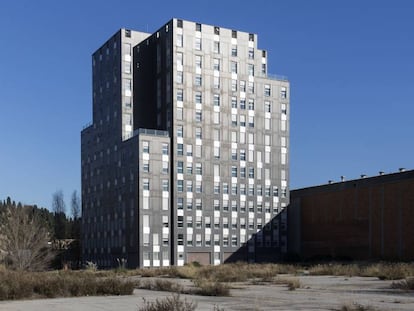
{"x": 350, "y": 63}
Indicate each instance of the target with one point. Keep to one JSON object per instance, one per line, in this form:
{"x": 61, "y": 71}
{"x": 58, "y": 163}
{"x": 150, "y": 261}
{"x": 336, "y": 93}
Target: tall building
{"x": 187, "y": 155}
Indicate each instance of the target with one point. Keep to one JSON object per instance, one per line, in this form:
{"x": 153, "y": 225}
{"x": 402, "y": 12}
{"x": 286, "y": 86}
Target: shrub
{"x": 209, "y": 288}
{"x": 356, "y": 307}
{"x": 173, "y": 303}
{"x": 407, "y": 284}
{"x": 291, "y": 283}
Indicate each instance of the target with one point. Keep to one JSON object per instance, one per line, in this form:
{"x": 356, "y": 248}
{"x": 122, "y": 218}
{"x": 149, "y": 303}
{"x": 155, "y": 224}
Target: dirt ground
{"x": 315, "y": 293}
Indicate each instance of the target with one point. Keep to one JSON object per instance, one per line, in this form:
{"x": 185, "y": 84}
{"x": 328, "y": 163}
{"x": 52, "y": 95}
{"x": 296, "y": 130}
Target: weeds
{"x": 291, "y": 283}
{"x": 161, "y": 285}
{"x": 173, "y": 303}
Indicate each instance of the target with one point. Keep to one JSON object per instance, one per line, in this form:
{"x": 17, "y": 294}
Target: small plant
{"x": 91, "y": 266}
{"x": 291, "y": 283}
{"x": 173, "y": 303}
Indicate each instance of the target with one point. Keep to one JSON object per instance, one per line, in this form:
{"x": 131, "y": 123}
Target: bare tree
{"x": 75, "y": 205}
{"x": 24, "y": 239}
{"x": 58, "y": 203}
{"x": 59, "y": 208}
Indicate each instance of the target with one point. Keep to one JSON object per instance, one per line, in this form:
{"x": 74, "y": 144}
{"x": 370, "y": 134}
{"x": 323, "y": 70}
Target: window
{"x": 216, "y": 100}
{"x": 165, "y": 185}
{"x": 216, "y": 117}
{"x": 234, "y": 154}
{"x": 198, "y": 97}
{"x": 199, "y": 241}
{"x": 189, "y": 169}
{"x": 198, "y": 27}
{"x": 145, "y": 147}
{"x": 234, "y": 189}
{"x": 225, "y": 205}
{"x": 189, "y": 150}
{"x": 233, "y": 67}
{"x": 180, "y": 186}
{"x": 180, "y": 149}
{"x": 267, "y": 90}
{"x": 189, "y": 186}
{"x": 234, "y": 138}
{"x": 263, "y": 68}
{"x": 198, "y": 80}
{"x": 242, "y": 155}
{"x": 189, "y": 204}
{"x": 234, "y": 50}
{"x": 242, "y": 104}
{"x": 283, "y": 92}
{"x": 180, "y": 78}
{"x": 267, "y": 106}
{"x": 179, "y": 131}
{"x": 242, "y": 86}
{"x": 179, "y": 60}
{"x": 180, "y": 239}
{"x": 250, "y": 87}
{"x": 216, "y": 205}
{"x": 217, "y": 152}
{"x": 242, "y": 119}
{"x": 199, "y": 169}
{"x": 165, "y": 167}
{"x": 234, "y": 100}
{"x": 251, "y": 104}
{"x": 216, "y": 47}
{"x": 199, "y": 205}
{"x": 251, "y": 53}
{"x": 198, "y": 115}
{"x": 180, "y": 221}
{"x": 216, "y": 64}
{"x": 198, "y": 61}
{"x": 251, "y": 121}
{"x": 233, "y": 240}
{"x": 234, "y": 34}
{"x": 243, "y": 189}
{"x": 216, "y": 30}
{"x": 216, "y": 188}
{"x": 259, "y": 190}
{"x": 198, "y": 133}
{"x": 243, "y": 172}
{"x": 251, "y": 172}
{"x": 216, "y": 82}
{"x": 145, "y": 184}
{"x": 145, "y": 166}
{"x": 165, "y": 149}
{"x": 234, "y": 171}
{"x": 179, "y": 40}
{"x": 198, "y": 44}
{"x": 207, "y": 222}
{"x": 225, "y": 222}
{"x": 179, "y": 23}
{"x": 180, "y": 167}
{"x": 233, "y": 86}
{"x": 250, "y": 69}
{"x": 225, "y": 188}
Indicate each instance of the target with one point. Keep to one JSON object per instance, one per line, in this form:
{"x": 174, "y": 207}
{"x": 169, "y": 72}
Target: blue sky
{"x": 350, "y": 64}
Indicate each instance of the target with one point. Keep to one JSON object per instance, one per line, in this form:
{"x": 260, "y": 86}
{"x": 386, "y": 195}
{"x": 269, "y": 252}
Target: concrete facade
{"x": 206, "y": 93}
{"x": 367, "y": 218}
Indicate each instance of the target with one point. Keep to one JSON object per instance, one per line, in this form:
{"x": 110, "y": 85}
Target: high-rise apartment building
{"x": 187, "y": 155}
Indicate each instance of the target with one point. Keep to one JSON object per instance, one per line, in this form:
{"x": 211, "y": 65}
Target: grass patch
{"x": 19, "y": 285}
{"x": 173, "y": 303}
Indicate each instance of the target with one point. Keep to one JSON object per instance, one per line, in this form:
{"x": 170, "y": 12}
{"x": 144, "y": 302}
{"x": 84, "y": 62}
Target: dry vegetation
{"x": 173, "y": 303}
{"x": 20, "y": 285}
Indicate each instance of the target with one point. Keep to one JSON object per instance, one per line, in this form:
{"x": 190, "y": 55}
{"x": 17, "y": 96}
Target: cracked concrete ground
{"x": 315, "y": 293}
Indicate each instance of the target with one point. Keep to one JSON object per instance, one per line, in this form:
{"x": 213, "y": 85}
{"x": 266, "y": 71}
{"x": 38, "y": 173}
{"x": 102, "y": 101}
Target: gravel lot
{"x": 316, "y": 293}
